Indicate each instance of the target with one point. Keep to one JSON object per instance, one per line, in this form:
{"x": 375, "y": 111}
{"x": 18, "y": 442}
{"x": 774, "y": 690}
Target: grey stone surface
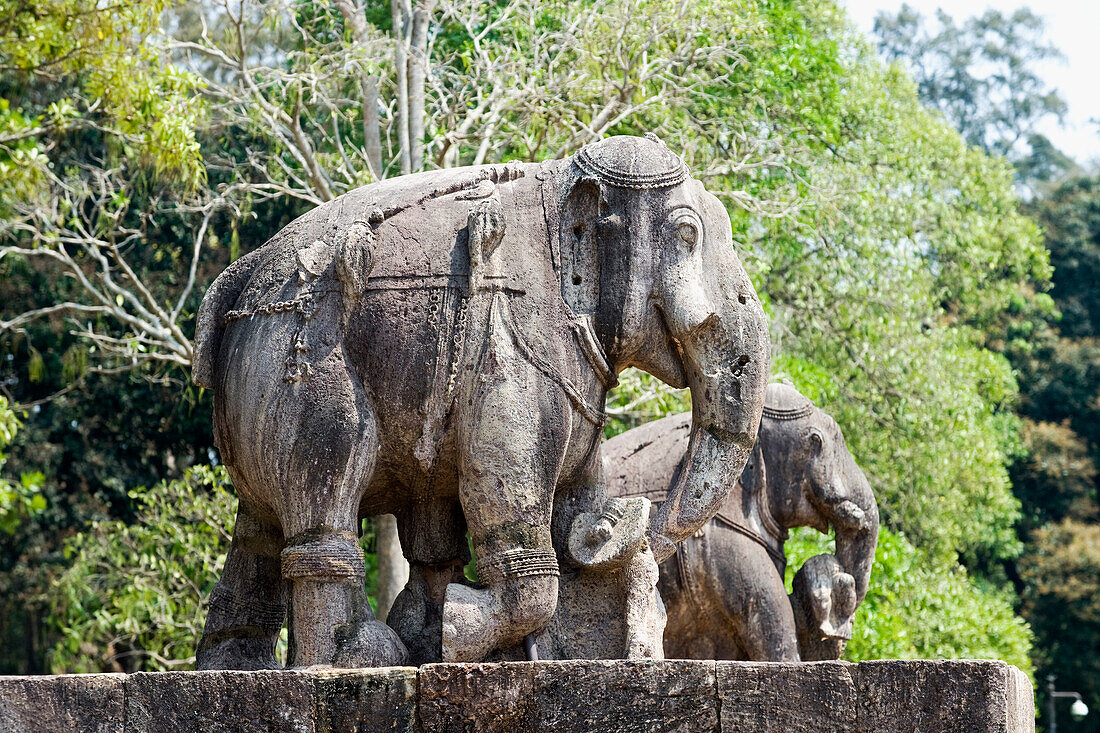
{"x": 219, "y": 702}
{"x": 90, "y": 702}
{"x": 517, "y": 697}
{"x": 347, "y": 701}
{"x": 964, "y": 696}
{"x": 796, "y": 698}
{"x": 477, "y": 697}
{"x": 647, "y": 695}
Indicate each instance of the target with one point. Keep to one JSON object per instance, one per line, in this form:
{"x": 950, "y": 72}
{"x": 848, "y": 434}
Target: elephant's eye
{"x": 816, "y": 441}
{"x": 688, "y": 232}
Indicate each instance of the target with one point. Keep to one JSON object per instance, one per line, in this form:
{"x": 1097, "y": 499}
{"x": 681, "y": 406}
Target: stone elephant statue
{"x": 439, "y": 346}
{"x": 723, "y": 590}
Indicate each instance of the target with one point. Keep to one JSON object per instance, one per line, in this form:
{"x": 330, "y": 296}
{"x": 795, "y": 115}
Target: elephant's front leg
{"x": 511, "y": 448}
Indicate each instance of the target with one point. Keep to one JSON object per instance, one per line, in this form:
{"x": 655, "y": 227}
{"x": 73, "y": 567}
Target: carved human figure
{"x": 439, "y": 346}
{"x": 723, "y": 589}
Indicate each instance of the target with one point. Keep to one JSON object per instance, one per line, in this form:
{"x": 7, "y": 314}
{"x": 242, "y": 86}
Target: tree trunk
{"x": 372, "y": 127}
{"x": 368, "y": 87}
{"x": 418, "y": 74}
{"x": 402, "y": 23}
{"x": 393, "y": 571}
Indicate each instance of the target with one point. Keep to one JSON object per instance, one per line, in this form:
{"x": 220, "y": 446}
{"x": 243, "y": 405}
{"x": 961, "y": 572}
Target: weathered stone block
{"x": 477, "y": 697}
{"x": 353, "y": 701}
{"x": 792, "y": 698}
{"x": 569, "y": 696}
{"x": 522, "y": 697}
{"x": 220, "y": 702}
{"x": 87, "y": 702}
{"x": 968, "y": 696}
{"x": 612, "y": 696}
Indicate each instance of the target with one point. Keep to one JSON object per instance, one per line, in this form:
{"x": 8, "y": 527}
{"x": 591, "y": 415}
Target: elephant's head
{"x": 813, "y": 481}
{"x": 647, "y": 253}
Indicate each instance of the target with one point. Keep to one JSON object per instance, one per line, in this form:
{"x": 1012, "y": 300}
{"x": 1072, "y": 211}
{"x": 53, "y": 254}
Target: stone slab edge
{"x": 611, "y": 696}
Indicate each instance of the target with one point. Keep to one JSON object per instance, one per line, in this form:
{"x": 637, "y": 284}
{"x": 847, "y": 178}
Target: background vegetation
{"x": 927, "y": 260}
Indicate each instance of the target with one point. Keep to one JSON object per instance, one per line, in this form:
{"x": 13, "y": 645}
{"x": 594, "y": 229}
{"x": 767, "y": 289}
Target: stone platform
{"x": 695, "y": 696}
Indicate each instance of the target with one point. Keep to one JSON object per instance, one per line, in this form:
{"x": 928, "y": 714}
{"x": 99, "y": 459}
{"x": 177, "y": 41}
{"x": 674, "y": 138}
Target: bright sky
{"x": 1071, "y": 25}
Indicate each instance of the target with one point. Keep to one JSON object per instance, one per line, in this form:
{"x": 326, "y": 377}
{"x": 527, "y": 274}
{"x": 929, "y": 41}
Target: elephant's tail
{"x": 219, "y": 299}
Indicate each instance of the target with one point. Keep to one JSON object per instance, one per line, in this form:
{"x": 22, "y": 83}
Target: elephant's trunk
{"x": 725, "y": 363}
{"x": 856, "y": 522}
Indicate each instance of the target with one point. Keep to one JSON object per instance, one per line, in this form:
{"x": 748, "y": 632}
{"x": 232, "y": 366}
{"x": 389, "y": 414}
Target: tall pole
{"x": 1050, "y": 704}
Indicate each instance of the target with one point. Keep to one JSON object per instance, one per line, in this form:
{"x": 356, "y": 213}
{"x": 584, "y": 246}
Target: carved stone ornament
{"x": 631, "y": 163}
{"x": 723, "y": 590}
{"x": 439, "y": 347}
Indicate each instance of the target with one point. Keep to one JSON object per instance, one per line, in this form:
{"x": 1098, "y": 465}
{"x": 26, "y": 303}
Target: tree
{"x": 1059, "y": 364}
{"x": 1061, "y": 571}
{"x": 134, "y": 595}
{"x": 1056, "y": 479}
{"x": 981, "y": 74}
{"x": 1070, "y": 217}
{"x": 18, "y": 499}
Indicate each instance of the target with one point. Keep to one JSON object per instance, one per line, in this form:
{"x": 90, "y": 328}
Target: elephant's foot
{"x": 368, "y": 643}
{"x": 417, "y": 612}
{"x": 468, "y": 633}
{"x": 476, "y": 622}
{"x": 238, "y": 653}
{"x": 241, "y": 629}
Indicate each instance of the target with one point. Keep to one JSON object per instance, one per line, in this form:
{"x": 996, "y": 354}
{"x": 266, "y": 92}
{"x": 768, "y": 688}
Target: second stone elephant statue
{"x": 439, "y": 347}
{"x": 723, "y": 590}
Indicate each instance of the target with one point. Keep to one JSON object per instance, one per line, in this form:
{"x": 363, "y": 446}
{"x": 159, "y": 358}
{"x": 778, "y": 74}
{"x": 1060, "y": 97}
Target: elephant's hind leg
{"x": 248, "y": 605}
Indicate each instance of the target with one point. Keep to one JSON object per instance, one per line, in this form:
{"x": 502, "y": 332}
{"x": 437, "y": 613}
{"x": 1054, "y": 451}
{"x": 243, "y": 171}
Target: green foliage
{"x": 1070, "y": 217}
{"x": 921, "y": 608}
{"x": 1059, "y": 367}
{"x": 1061, "y": 572}
{"x": 639, "y": 398}
{"x": 21, "y": 499}
{"x": 910, "y": 242}
{"x": 1056, "y": 478}
{"x": 135, "y": 594}
{"x": 123, "y": 86}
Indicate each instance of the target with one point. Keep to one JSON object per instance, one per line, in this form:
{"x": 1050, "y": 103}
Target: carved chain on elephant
{"x": 325, "y": 555}
{"x": 303, "y": 305}
{"x": 589, "y": 412}
{"x": 451, "y": 341}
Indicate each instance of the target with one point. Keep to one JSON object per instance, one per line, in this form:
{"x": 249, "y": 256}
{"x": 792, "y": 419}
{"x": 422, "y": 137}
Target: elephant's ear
{"x": 580, "y": 259}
